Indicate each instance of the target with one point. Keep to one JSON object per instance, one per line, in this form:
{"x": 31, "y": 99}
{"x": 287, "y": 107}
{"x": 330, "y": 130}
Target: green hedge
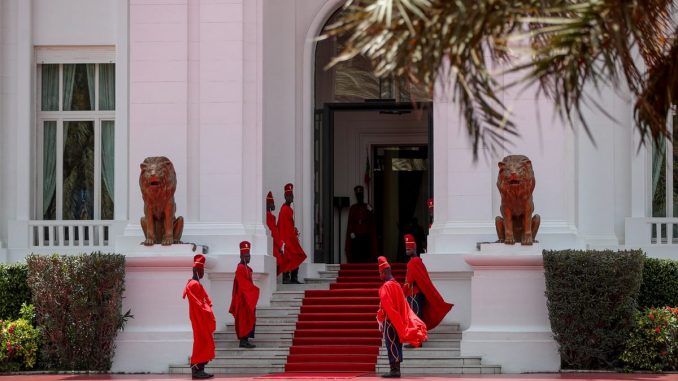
{"x": 78, "y": 302}
{"x": 14, "y": 290}
{"x": 660, "y": 283}
{"x": 591, "y": 299}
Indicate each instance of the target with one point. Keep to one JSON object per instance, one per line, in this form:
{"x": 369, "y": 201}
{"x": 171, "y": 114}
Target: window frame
{"x": 96, "y": 116}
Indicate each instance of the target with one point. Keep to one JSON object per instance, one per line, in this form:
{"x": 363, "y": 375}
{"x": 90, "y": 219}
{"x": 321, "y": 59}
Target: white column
{"x": 595, "y": 174}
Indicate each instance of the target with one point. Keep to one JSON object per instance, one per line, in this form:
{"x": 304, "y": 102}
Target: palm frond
{"x": 568, "y": 47}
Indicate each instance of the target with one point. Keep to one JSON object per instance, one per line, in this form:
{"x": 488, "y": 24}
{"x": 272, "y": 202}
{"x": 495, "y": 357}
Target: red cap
{"x": 429, "y": 203}
{"x": 383, "y": 263}
{"x": 199, "y": 261}
{"x": 288, "y": 188}
{"x": 409, "y": 242}
{"x": 245, "y": 247}
{"x": 269, "y": 197}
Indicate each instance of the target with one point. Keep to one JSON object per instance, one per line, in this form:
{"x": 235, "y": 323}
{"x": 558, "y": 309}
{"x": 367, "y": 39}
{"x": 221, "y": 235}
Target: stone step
{"x": 264, "y": 327}
{"x": 287, "y": 335}
{"x": 277, "y": 320}
{"x": 440, "y": 362}
{"x": 287, "y": 295}
{"x": 251, "y": 361}
{"x": 302, "y": 287}
{"x": 434, "y": 336}
{"x": 443, "y": 343}
{"x": 243, "y": 352}
{"x": 231, "y": 369}
{"x": 286, "y": 303}
{"x": 277, "y": 311}
{"x": 446, "y": 328}
{"x": 233, "y": 342}
{"x": 328, "y": 274}
{"x": 425, "y": 353}
{"x": 326, "y": 281}
{"x": 463, "y": 369}
{"x": 333, "y": 267}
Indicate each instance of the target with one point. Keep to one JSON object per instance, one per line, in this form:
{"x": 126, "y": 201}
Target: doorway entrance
{"x": 385, "y": 147}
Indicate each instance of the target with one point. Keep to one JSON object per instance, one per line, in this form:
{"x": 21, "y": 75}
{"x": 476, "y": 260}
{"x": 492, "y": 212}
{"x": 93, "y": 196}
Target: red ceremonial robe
{"x": 288, "y": 234}
{"x": 435, "y": 308}
{"x": 393, "y": 306}
{"x": 244, "y": 301}
{"x": 202, "y": 321}
{"x": 277, "y": 242}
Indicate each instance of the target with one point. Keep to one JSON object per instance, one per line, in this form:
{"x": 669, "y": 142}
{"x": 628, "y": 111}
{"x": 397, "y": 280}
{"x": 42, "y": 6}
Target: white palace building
{"x": 234, "y": 93}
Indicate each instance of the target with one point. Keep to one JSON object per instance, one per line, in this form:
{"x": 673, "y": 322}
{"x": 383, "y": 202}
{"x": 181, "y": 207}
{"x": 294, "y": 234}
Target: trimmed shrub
{"x": 78, "y": 302}
{"x": 14, "y": 290}
{"x": 660, "y": 283}
{"x": 19, "y": 342}
{"x": 591, "y": 299}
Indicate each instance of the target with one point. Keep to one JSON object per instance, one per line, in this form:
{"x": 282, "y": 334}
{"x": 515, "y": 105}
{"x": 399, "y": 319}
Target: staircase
{"x": 337, "y": 332}
{"x": 273, "y": 334}
{"x": 328, "y": 325}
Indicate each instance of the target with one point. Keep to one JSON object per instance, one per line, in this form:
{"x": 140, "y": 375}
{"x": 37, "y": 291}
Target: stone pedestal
{"x": 509, "y": 319}
{"x": 160, "y": 333}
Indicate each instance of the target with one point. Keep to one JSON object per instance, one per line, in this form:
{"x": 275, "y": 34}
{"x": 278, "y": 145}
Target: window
{"x": 75, "y": 139}
{"x": 664, "y": 185}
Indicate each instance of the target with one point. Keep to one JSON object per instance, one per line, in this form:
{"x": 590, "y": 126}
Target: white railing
{"x": 70, "y": 234}
{"x": 663, "y": 230}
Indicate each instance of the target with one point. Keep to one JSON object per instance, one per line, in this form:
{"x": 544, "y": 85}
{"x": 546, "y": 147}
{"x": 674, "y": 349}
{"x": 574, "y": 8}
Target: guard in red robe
{"x": 429, "y": 204}
{"x": 289, "y": 235}
{"x": 244, "y": 299}
{"x": 422, "y": 295}
{"x": 202, "y": 320}
{"x": 396, "y": 320}
{"x": 277, "y": 242}
{"x": 361, "y": 234}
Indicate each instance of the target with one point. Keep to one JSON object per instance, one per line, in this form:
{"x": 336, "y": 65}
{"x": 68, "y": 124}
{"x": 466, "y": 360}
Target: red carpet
{"x": 316, "y": 375}
{"x": 337, "y": 331}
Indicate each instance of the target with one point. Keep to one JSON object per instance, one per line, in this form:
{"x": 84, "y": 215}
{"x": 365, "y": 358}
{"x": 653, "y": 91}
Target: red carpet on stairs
{"x": 337, "y": 329}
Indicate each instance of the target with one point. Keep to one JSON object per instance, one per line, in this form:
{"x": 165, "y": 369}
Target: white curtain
{"x": 107, "y": 87}
{"x": 48, "y": 165}
{"x": 69, "y": 81}
{"x": 91, "y": 72}
{"x": 50, "y": 88}
{"x": 107, "y": 155}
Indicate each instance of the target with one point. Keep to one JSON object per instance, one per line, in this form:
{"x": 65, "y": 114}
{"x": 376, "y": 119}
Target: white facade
{"x": 224, "y": 88}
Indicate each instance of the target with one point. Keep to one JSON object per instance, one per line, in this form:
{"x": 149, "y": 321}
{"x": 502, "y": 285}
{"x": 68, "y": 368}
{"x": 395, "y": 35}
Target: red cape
{"x": 244, "y": 301}
{"x": 288, "y": 234}
{"x": 202, "y": 320}
{"x": 394, "y": 307}
{"x": 435, "y": 308}
{"x": 280, "y": 259}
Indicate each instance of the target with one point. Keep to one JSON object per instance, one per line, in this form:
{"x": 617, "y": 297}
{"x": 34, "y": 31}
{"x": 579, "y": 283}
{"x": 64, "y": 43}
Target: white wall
{"x": 74, "y": 22}
{"x": 8, "y": 16}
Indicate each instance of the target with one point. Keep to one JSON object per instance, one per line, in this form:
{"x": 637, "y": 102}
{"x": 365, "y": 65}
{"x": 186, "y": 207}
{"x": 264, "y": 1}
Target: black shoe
{"x": 201, "y": 375}
{"x": 246, "y": 344}
{"x": 394, "y": 373}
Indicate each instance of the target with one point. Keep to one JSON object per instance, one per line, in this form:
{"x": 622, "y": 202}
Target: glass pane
{"x": 49, "y": 170}
{"x": 107, "y": 87}
{"x": 50, "y": 88}
{"x": 107, "y": 168}
{"x": 78, "y": 176}
{"x": 659, "y": 180}
{"x": 79, "y": 87}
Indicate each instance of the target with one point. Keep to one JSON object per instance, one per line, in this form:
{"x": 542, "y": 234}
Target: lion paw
{"x": 509, "y": 241}
{"x": 167, "y": 241}
{"x": 149, "y": 242}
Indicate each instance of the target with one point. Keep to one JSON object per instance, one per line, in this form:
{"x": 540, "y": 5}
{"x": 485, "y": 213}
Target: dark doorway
{"x": 400, "y": 192}
{"x": 402, "y": 181}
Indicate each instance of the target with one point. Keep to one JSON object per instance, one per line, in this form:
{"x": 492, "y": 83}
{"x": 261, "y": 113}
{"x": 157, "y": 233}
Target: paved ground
{"x": 512, "y": 377}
